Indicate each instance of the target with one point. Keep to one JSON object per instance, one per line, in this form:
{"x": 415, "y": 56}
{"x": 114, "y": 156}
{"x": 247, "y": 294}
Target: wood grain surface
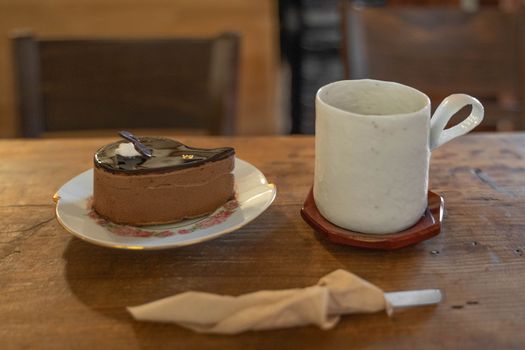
{"x": 57, "y": 291}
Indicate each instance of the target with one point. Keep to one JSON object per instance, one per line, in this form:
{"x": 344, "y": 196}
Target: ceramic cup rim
{"x": 319, "y": 97}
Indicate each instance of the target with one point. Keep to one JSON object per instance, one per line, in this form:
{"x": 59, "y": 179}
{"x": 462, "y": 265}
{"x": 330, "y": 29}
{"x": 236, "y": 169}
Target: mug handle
{"x": 446, "y": 110}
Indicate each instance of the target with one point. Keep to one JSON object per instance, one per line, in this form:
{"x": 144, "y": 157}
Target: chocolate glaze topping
{"x": 167, "y": 155}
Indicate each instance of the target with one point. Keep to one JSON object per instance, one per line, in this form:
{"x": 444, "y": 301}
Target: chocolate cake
{"x": 172, "y": 183}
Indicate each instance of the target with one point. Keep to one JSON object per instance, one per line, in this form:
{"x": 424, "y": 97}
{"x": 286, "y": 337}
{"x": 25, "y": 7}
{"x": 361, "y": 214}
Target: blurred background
{"x": 115, "y": 63}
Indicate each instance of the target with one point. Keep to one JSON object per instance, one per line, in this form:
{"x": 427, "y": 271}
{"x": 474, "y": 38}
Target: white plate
{"x": 253, "y": 195}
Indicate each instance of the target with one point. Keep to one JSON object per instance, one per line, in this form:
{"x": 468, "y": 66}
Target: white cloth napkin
{"x": 337, "y": 293}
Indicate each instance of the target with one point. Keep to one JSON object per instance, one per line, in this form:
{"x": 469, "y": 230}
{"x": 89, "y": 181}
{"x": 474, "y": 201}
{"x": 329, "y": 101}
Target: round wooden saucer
{"x": 429, "y": 226}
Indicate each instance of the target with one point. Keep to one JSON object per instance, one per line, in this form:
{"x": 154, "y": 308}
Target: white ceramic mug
{"x": 372, "y": 142}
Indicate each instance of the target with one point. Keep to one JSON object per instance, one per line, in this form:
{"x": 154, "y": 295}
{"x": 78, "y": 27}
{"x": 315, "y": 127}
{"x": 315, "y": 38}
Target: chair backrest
{"x": 441, "y": 50}
{"x": 86, "y": 84}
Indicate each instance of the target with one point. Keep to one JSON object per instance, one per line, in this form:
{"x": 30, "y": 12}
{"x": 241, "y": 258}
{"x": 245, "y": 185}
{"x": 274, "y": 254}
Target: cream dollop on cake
{"x": 126, "y": 149}
{"x": 177, "y": 183}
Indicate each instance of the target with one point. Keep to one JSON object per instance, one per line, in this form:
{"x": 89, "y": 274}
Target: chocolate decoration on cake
{"x": 167, "y": 155}
{"x": 144, "y": 151}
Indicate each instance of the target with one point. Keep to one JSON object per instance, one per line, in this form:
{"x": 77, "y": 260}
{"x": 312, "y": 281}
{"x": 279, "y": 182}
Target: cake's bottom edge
{"x": 163, "y": 222}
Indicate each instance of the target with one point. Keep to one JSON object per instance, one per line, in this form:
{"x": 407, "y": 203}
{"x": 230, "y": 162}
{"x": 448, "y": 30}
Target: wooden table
{"x": 57, "y": 291}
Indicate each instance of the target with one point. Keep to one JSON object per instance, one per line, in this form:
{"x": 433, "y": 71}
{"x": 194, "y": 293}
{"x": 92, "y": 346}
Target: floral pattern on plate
{"x": 218, "y": 217}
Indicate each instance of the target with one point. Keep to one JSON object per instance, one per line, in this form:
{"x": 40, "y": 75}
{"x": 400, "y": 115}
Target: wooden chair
{"x": 93, "y": 84}
{"x": 442, "y": 50}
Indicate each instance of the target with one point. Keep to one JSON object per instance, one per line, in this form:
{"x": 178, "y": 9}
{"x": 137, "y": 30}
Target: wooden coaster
{"x": 429, "y": 226}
